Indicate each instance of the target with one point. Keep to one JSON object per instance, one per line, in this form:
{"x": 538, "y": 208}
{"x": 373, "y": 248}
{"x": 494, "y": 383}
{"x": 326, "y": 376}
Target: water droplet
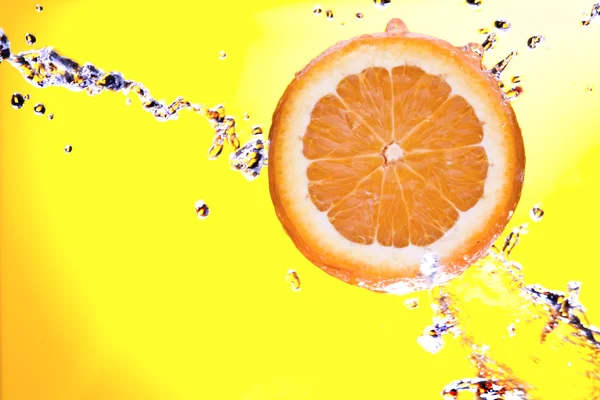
{"x": 329, "y": 14}
{"x": 474, "y": 3}
{"x": 511, "y": 330}
{"x": 489, "y": 42}
{"x": 17, "y": 100}
{"x": 30, "y": 39}
{"x": 483, "y": 31}
{"x": 382, "y": 4}
{"x": 222, "y": 55}
{"x": 39, "y": 8}
{"x": 359, "y": 15}
{"x": 534, "y": 41}
{"x": 257, "y": 130}
{"x": 128, "y": 101}
{"x": 411, "y": 303}
{"x": 68, "y": 149}
{"x": 294, "y": 280}
{"x": 536, "y": 213}
{"x": 502, "y": 24}
{"x": 516, "y": 79}
{"x": 246, "y": 116}
{"x": 27, "y": 96}
{"x": 431, "y": 341}
{"x": 514, "y": 93}
{"x": 342, "y": 24}
{"x": 317, "y": 10}
{"x": 590, "y": 88}
{"x": 50, "y": 117}
{"x": 202, "y": 209}
{"x": 39, "y": 109}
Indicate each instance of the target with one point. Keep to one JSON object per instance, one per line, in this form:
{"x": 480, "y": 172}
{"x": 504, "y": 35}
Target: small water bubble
{"x": 39, "y": 109}
{"x": 39, "y": 8}
{"x": 317, "y": 10}
{"x": 128, "y": 101}
{"x": 483, "y": 31}
{"x": 50, "y": 117}
{"x": 511, "y": 330}
{"x": 222, "y": 55}
{"x": 202, "y": 209}
{"x": 329, "y": 14}
{"x": 474, "y": 3}
{"x": 342, "y": 24}
{"x": 246, "y": 116}
{"x": 359, "y": 15}
{"x": 411, "y": 303}
{"x": 27, "y": 97}
{"x": 68, "y": 149}
{"x": 534, "y": 41}
{"x": 382, "y": 4}
{"x": 536, "y": 213}
{"x": 502, "y": 24}
{"x": 257, "y": 130}
{"x": 590, "y": 89}
{"x": 293, "y": 279}
{"x": 30, "y": 39}
{"x": 17, "y": 101}
{"x": 516, "y": 79}
{"x": 431, "y": 341}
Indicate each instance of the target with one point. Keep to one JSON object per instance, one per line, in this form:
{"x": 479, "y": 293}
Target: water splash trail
{"x": 45, "y": 67}
{"x": 497, "y": 280}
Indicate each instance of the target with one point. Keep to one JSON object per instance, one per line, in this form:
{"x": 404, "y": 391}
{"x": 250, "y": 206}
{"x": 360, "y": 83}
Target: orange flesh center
{"x": 395, "y": 156}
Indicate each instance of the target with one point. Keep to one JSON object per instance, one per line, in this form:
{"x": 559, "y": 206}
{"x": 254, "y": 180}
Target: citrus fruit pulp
{"x": 390, "y": 149}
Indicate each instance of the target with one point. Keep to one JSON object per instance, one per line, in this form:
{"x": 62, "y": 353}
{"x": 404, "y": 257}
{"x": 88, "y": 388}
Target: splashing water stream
{"x": 45, "y": 67}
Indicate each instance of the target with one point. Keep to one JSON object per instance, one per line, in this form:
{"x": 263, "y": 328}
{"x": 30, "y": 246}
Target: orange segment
{"x": 389, "y": 148}
{"x": 459, "y": 174}
{"x": 454, "y": 124}
{"x": 392, "y": 222}
{"x": 417, "y": 95}
{"x": 336, "y": 132}
{"x": 331, "y": 180}
{"x": 369, "y": 96}
{"x": 431, "y": 214}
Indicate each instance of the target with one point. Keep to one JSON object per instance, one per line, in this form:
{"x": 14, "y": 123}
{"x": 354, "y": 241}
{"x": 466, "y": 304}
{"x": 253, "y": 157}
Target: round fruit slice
{"x": 394, "y": 152}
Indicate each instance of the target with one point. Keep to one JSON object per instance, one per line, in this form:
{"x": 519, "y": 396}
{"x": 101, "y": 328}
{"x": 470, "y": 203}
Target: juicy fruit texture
{"x": 390, "y": 149}
{"x": 396, "y": 157}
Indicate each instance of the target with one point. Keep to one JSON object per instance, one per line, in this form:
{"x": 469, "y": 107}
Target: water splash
{"x": 45, "y": 67}
{"x": 593, "y": 14}
{"x": 556, "y": 318}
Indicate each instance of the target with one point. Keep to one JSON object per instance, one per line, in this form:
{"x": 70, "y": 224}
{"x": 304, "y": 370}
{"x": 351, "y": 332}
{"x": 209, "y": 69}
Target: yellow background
{"x": 111, "y": 288}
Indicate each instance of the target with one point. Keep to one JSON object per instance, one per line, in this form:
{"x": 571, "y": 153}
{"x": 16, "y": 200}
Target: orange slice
{"x": 391, "y": 150}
